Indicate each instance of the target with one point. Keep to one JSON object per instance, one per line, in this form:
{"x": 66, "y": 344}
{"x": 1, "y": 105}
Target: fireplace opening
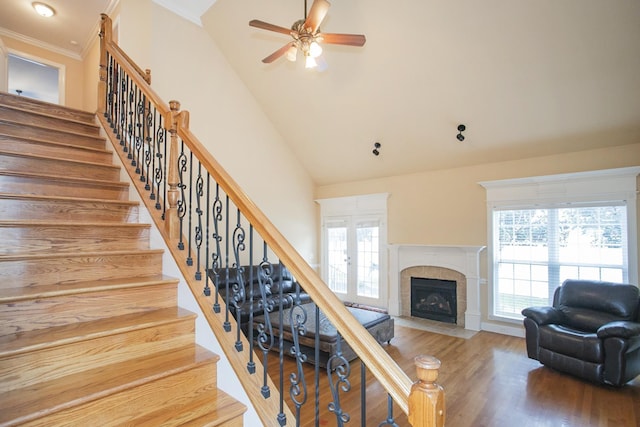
{"x": 434, "y": 299}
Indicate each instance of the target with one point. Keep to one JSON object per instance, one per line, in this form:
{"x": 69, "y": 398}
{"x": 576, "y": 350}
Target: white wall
{"x": 187, "y": 66}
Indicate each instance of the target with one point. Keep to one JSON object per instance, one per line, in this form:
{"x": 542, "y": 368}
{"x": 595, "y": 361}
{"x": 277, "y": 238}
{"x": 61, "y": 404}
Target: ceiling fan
{"x": 307, "y": 36}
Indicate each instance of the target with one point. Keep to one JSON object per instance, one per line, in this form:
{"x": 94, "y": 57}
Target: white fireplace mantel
{"x": 464, "y": 259}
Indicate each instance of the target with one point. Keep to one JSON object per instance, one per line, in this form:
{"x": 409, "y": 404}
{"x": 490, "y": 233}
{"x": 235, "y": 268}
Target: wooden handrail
{"x": 393, "y": 379}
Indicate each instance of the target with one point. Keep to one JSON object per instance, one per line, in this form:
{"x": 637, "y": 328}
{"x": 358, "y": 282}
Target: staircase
{"x": 90, "y": 330}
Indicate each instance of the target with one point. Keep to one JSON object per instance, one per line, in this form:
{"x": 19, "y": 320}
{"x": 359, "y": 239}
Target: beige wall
{"x": 448, "y": 207}
{"x": 74, "y": 69}
{"x": 187, "y": 66}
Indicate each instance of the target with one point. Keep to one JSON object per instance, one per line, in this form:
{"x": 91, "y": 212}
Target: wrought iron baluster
{"x": 298, "y": 321}
{"x": 160, "y": 133}
{"x": 207, "y": 290}
{"x": 389, "y": 421}
{"x": 227, "y": 302}
{"x": 216, "y": 212}
{"x": 265, "y": 330}
{"x": 190, "y": 210}
{"x": 124, "y": 80}
{"x": 316, "y": 354}
{"x": 281, "y": 416}
{"x": 133, "y": 131}
{"x": 251, "y": 365}
{"x": 199, "y": 190}
{"x": 239, "y": 294}
{"x": 338, "y": 370}
{"x": 182, "y": 209}
{"x": 150, "y": 147}
{"x": 108, "y": 112}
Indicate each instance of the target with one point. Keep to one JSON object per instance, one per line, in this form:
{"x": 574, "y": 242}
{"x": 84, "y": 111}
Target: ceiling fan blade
{"x": 346, "y": 39}
{"x": 318, "y": 11}
{"x": 270, "y": 27}
{"x": 277, "y": 54}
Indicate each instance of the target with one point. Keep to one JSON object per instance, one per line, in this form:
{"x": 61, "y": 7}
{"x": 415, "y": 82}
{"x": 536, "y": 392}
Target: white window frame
{"x": 366, "y": 206}
{"x": 608, "y": 185}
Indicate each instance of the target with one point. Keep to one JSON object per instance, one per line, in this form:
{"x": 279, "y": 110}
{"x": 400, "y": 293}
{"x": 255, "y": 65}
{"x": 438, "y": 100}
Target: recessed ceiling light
{"x": 43, "y": 9}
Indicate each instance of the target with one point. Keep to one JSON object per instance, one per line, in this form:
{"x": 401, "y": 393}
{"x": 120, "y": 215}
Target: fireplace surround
{"x": 458, "y": 263}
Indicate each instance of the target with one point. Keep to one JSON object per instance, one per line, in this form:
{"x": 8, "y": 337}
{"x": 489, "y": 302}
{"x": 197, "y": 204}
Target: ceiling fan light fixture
{"x": 43, "y": 9}
{"x": 310, "y": 62}
{"x": 315, "y": 49}
{"x": 292, "y": 53}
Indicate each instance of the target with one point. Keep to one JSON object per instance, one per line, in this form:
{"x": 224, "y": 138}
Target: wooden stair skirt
{"x": 90, "y": 330}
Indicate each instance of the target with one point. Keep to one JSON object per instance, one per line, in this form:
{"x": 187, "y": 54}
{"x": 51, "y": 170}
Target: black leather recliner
{"x": 592, "y": 331}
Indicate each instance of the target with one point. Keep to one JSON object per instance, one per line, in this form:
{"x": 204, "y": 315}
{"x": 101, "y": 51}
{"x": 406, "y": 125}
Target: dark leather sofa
{"x": 240, "y": 288}
{"x": 592, "y": 331}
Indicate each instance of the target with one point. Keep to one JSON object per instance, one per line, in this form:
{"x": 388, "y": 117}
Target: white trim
{"x": 562, "y": 189}
{"x": 353, "y": 208}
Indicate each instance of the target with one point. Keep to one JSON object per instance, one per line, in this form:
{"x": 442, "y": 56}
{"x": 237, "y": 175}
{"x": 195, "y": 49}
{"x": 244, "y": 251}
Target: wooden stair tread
{"x": 24, "y": 257}
{"x": 72, "y": 224}
{"x": 33, "y": 340}
{"x": 59, "y": 159}
{"x": 62, "y": 178}
{"x": 216, "y": 406}
{"x": 90, "y": 136}
{"x": 9, "y": 295}
{"x": 34, "y": 140}
{"x": 67, "y": 199}
{"x": 51, "y": 116}
{"x": 51, "y": 396}
{"x": 39, "y": 105}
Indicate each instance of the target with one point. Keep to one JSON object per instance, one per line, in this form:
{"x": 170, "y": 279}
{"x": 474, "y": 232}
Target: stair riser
{"x": 37, "y": 119}
{"x": 21, "y": 131}
{"x": 19, "y": 163}
{"x": 39, "y": 209}
{"x": 69, "y": 309}
{"x": 62, "y": 188}
{"x": 44, "y": 148}
{"x": 24, "y": 370}
{"x": 47, "y": 108}
{"x": 72, "y": 238}
{"x": 77, "y": 269}
{"x": 123, "y": 408}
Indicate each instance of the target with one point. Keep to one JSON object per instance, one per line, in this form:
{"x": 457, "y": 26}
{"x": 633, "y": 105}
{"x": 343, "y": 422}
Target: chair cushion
{"x": 571, "y": 342}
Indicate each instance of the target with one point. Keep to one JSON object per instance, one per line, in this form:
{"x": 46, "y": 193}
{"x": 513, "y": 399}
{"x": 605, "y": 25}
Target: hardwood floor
{"x": 489, "y": 382}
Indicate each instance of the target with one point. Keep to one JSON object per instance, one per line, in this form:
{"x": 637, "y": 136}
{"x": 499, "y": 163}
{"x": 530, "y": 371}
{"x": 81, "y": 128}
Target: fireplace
{"x": 434, "y": 299}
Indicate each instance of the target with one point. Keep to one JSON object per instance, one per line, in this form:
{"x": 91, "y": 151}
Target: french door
{"x": 352, "y": 264}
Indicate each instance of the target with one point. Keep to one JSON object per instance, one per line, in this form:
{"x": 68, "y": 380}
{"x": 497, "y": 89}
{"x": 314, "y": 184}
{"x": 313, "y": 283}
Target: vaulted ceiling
{"x": 525, "y": 78}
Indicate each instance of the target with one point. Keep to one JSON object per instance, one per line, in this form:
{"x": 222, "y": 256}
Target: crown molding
{"x": 40, "y": 44}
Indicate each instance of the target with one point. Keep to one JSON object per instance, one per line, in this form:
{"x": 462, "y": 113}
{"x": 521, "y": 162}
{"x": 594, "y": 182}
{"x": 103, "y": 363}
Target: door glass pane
{"x": 337, "y": 258}
{"x": 367, "y": 236}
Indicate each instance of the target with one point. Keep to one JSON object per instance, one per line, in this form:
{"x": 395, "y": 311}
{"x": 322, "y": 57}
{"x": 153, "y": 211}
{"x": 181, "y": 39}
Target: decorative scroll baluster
{"x": 161, "y": 167}
{"x": 251, "y": 365}
{"x": 149, "y": 157}
{"x": 298, "y": 321}
{"x": 188, "y": 208}
{"x": 338, "y": 369}
{"x": 182, "y": 201}
{"x": 239, "y": 295}
{"x": 265, "y": 330}
{"x": 216, "y": 211}
{"x": 198, "y": 232}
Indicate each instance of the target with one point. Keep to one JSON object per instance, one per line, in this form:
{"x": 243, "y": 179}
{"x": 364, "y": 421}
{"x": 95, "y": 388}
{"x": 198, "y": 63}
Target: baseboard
{"x": 514, "y": 331}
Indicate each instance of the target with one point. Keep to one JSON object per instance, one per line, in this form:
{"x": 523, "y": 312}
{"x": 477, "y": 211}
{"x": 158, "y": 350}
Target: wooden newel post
{"x": 172, "y": 221}
{"x": 426, "y": 401}
{"x": 105, "y": 39}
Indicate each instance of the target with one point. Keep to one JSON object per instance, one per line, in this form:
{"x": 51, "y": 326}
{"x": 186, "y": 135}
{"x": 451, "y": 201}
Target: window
{"x": 544, "y": 230}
